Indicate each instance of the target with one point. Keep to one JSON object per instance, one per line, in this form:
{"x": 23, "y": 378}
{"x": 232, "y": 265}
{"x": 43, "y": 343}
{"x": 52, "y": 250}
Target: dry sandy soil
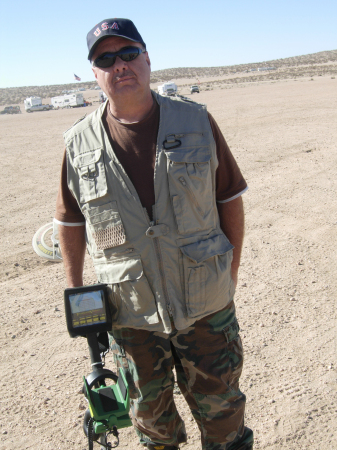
{"x": 283, "y": 135}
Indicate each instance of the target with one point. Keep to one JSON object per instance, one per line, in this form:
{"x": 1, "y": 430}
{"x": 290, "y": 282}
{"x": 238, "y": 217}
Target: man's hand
{"x": 232, "y": 223}
{"x": 72, "y": 242}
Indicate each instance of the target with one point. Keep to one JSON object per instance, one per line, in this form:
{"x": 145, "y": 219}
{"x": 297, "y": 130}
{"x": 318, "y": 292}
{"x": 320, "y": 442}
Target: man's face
{"x": 123, "y": 79}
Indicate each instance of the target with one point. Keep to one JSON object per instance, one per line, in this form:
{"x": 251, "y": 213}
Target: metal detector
{"x": 88, "y": 314}
{"x": 46, "y": 242}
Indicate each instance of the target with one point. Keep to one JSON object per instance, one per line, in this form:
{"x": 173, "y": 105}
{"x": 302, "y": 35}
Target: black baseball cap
{"x": 112, "y": 27}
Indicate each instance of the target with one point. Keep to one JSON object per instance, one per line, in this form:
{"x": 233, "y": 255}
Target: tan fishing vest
{"x": 178, "y": 266}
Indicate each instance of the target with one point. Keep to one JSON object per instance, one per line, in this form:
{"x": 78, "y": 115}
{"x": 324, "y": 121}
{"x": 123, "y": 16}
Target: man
{"x": 150, "y": 187}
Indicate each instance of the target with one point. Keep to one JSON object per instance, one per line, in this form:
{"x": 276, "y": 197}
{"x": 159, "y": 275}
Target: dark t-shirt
{"x": 135, "y": 147}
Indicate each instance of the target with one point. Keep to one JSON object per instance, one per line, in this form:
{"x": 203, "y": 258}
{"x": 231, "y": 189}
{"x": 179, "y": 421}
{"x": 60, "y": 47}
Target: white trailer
{"x": 32, "y": 101}
{"x": 68, "y": 101}
{"x": 168, "y": 89}
{"x": 102, "y": 97}
{"x": 35, "y": 104}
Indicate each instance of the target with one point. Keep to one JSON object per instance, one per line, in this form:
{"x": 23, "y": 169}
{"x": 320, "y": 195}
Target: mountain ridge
{"x": 312, "y": 64}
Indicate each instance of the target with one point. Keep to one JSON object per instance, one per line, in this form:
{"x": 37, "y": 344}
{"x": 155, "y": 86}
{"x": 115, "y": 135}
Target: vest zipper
{"x": 191, "y": 194}
{"x": 161, "y": 270}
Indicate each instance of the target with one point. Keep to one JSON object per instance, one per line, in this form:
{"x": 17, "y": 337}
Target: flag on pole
{"x": 77, "y": 78}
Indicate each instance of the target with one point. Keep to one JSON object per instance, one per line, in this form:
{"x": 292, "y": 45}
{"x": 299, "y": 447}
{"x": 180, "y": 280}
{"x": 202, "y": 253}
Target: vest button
{"x": 151, "y": 232}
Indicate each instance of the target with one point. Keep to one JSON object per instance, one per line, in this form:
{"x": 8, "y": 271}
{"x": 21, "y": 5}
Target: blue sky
{"x": 44, "y": 42}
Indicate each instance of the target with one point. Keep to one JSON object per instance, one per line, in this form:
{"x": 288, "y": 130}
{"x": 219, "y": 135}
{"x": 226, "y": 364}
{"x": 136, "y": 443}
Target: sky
{"x": 44, "y": 42}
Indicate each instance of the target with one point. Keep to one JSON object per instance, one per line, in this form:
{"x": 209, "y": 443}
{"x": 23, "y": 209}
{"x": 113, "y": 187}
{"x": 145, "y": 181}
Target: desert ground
{"x": 283, "y": 134}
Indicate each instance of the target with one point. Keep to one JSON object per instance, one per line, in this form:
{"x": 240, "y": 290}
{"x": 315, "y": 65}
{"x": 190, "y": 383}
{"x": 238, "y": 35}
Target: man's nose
{"x": 120, "y": 64}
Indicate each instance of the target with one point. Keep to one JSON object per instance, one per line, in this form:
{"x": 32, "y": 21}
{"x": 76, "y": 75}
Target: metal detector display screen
{"x": 87, "y": 308}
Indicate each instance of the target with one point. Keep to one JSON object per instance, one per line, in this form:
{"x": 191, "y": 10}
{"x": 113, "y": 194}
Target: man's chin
{"x": 130, "y": 86}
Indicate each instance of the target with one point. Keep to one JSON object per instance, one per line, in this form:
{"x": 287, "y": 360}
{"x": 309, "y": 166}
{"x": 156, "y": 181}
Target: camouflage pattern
{"x": 160, "y": 447}
{"x": 208, "y": 360}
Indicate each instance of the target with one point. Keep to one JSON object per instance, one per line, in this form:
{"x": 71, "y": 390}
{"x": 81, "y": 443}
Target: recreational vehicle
{"x": 68, "y": 101}
{"x": 102, "y": 97}
{"x": 168, "y": 89}
{"x": 35, "y": 104}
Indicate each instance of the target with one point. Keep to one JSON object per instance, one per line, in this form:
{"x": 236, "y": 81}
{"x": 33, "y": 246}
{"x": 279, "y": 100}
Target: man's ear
{"x": 147, "y": 58}
{"x": 94, "y": 70}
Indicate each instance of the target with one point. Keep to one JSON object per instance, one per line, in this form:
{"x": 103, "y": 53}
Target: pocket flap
{"x": 99, "y": 213}
{"x": 189, "y": 155}
{"x": 85, "y": 159}
{"x": 202, "y": 250}
{"x": 119, "y": 270}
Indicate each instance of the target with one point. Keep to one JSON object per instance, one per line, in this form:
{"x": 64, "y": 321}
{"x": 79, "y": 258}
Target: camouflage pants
{"x": 208, "y": 361}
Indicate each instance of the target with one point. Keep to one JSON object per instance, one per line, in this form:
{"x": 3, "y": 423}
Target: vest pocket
{"x": 132, "y": 294}
{"x": 105, "y": 224}
{"x": 191, "y": 188}
{"x": 91, "y": 171}
{"x": 207, "y": 274}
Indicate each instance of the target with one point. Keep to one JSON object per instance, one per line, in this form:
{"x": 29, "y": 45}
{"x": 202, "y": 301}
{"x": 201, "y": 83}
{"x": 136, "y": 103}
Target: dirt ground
{"x": 284, "y": 136}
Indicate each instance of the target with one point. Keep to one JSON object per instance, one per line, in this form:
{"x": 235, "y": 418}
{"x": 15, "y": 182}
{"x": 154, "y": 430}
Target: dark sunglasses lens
{"x": 105, "y": 61}
{"x": 130, "y": 55}
{"x": 108, "y": 60}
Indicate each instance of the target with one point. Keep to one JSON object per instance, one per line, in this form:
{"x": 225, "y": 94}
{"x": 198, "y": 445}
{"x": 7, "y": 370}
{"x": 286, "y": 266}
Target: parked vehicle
{"x": 35, "y": 104}
{"x": 102, "y": 97}
{"x": 168, "y": 89}
{"x": 39, "y": 108}
{"x": 11, "y": 110}
{"x": 68, "y": 101}
{"x": 194, "y": 88}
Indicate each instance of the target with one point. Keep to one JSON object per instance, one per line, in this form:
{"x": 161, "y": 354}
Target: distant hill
{"x": 314, "y": 64}
{"x": 296, "y": 63}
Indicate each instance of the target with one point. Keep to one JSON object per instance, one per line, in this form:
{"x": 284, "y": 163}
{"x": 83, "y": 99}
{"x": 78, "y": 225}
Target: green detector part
{"x": 109, "y": 405}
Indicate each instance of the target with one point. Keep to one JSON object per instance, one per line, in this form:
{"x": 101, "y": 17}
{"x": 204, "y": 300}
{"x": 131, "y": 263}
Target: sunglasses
{"x": 125, "y": 54}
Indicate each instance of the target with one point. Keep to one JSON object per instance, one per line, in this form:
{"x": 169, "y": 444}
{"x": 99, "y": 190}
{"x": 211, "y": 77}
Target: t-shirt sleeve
{"x": 67, "y": 208}
{"x": 230, "y": 183}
